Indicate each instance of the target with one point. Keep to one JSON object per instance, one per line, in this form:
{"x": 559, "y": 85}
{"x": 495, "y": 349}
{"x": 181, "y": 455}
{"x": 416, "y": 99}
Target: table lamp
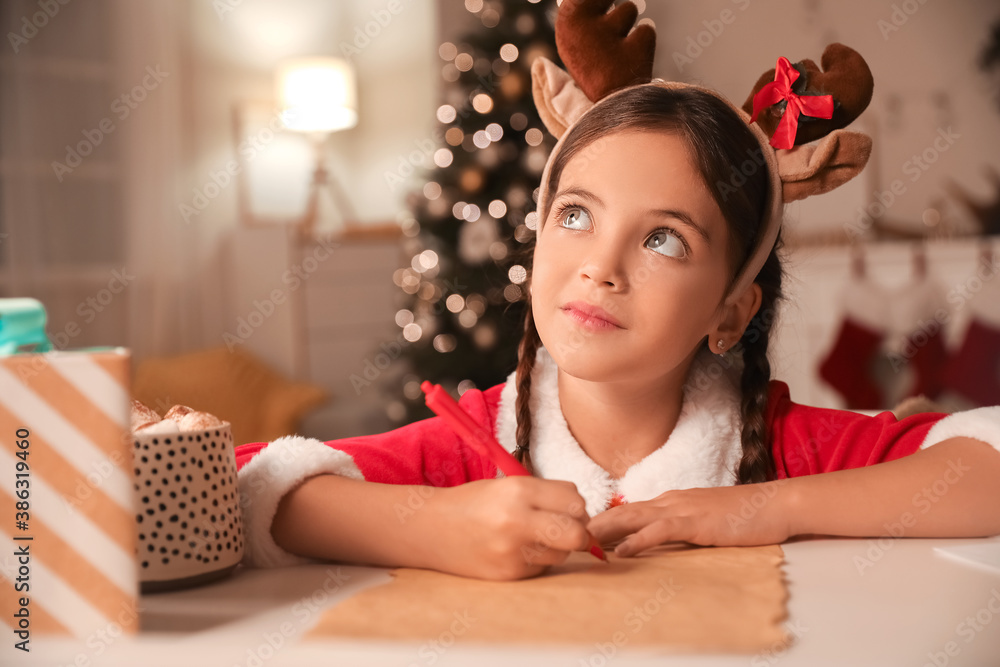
{"x": 318, "y": 96}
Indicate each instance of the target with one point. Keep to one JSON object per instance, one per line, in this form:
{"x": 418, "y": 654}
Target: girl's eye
{"x": 667, "y": 243}
{"x": 574, "y": 218}
{"x": 664, "y": 241}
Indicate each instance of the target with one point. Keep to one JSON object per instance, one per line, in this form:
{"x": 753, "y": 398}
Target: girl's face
{"x": 632, "y": 231}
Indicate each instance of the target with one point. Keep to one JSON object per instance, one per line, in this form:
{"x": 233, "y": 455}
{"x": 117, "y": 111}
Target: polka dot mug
{"x": 189, "y": 523}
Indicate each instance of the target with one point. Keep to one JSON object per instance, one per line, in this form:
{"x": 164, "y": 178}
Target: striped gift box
{"x": 66, "y": 415}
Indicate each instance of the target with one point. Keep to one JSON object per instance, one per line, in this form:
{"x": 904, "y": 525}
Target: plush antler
{"x": 845, "y": 76}
{"x": 817, "y": 168}
{"x": 601, "y": 49}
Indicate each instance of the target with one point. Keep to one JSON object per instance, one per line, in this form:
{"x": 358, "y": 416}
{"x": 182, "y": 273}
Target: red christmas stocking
{"x": 928, "y": 359}
{"x": 916, "y": 325}
{"x": 974, "y": 371}
{"x": 847, "y": 367}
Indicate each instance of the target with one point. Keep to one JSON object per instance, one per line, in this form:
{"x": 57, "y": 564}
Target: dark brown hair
{"x": 731, "y": 163}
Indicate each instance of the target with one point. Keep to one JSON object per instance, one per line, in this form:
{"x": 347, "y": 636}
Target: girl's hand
{"x": 508, "y": 528}
{"x": 746, "y": 515}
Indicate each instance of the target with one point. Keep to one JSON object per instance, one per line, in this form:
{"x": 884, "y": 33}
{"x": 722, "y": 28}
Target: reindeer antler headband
{"x": 605, "y": 53}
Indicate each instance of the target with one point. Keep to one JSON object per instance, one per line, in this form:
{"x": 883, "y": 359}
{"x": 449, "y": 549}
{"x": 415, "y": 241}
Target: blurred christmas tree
{"x": 473, "y": 221}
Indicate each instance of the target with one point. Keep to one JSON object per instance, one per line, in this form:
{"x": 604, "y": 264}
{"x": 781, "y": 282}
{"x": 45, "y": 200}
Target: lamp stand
{"x": 324, "y": 182}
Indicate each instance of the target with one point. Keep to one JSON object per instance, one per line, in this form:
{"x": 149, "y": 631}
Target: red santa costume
{"x": 702, "y": 450}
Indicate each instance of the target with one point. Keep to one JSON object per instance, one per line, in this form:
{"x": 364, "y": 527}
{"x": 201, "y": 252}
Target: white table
{"x": 902, "y": 609}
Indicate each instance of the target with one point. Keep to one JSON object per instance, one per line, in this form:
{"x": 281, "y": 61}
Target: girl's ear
{"x": 557, "y": 97}
{"x": 813, "y": 169}
{"x": 736, "y": 316}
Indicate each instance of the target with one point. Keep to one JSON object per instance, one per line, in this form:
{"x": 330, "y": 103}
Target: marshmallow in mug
{"x": 178, "y": 419}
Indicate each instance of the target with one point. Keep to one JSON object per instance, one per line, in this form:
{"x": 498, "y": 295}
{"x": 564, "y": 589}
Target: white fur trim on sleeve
{"x": 979, "y": 423}
{"x": 271, "y": 473}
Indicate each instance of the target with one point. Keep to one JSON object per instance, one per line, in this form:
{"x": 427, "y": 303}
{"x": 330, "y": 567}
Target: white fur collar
{"x": 702, "y": 450}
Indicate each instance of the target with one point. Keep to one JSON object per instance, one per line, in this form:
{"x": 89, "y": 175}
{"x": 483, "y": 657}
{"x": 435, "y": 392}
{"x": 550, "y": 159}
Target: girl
{"x": 642, "y": 400}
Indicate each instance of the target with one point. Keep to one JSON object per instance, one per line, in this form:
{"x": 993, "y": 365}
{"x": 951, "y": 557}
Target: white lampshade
{"x": 317, "y": 94}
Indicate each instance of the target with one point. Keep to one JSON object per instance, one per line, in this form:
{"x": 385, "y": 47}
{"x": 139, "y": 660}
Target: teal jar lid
{"x": 22, "y": 326}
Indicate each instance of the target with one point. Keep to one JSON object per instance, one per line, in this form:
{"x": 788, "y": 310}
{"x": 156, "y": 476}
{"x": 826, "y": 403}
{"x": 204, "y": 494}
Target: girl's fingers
{"x": 617, "y": 522}
{"x": 555, "y": 496}
{"x": 654, "y": 534}
{"x": 541, "y": 554}
{"x": 558, "y": 531}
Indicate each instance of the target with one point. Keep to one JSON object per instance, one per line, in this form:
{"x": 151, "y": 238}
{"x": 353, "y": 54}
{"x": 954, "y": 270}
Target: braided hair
{"x": 731, "y": 163}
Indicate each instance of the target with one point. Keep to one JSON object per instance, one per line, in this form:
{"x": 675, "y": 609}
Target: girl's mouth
{"x": 591, "y": 317}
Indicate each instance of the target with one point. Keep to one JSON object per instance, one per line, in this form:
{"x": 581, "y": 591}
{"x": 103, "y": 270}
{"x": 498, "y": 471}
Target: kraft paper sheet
{"x": 674, "y": 597}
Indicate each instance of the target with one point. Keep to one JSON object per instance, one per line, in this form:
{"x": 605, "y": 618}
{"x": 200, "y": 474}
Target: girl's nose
{"x": 605, "y": 265}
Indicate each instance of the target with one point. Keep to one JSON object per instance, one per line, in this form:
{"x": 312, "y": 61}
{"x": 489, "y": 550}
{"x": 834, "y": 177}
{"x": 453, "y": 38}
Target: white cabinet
{"x": 330, "y": 307}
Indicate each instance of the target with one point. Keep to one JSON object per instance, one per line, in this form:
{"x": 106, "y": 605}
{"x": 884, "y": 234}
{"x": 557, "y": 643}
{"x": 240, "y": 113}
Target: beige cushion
{"x": 235, "y": 386}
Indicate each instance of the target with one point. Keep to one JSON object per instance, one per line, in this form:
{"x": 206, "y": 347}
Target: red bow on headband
{"x": 817, "y": 106}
